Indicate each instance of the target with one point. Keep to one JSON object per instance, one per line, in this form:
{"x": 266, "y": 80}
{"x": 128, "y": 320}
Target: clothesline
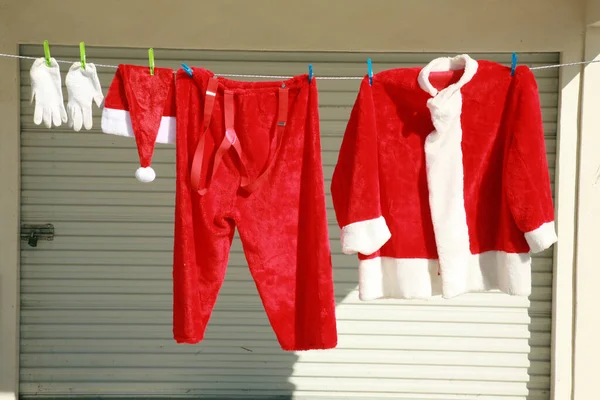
{"x": 288, "y": 77}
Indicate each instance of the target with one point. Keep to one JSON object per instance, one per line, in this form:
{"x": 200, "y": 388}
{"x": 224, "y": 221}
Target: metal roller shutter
{"x": 96, "y": 301}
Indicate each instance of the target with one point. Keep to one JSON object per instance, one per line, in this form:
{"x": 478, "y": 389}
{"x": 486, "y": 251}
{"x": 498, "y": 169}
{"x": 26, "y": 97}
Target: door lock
{"x": 33, "y": 233}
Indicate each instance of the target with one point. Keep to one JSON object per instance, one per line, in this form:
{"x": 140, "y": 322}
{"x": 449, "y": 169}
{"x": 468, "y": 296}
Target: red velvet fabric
{"x": 282, "y": 225}
{"x": 116, "y": 97}
{"x": 147, "y": 98}
{"x": 381, "y": 170}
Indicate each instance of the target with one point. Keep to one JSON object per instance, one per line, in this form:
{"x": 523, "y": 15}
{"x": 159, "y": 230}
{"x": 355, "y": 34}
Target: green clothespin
{"x": 82, "y": 54}
{"x": 151, "y": 59}
{"x": 47, "y": 52}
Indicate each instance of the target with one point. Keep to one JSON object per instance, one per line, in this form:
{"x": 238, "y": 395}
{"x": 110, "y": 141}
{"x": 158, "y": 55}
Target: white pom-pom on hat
{"x": 145, "y": 174}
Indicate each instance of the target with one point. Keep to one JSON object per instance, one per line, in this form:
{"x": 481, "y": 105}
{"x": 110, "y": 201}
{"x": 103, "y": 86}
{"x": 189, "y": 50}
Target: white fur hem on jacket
{"x": 417, "y": 278}
{"x": 118, "y": 122}
{"x": 365, "y": 237}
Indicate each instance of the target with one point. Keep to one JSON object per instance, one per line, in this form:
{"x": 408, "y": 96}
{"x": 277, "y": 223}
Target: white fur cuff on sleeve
{"x": 365, "y": 237}
{"x": 541, "y": 238}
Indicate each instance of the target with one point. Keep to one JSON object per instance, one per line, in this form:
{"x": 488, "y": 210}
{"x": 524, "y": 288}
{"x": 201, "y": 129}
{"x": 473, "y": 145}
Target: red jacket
{"x": 442, "y": 183}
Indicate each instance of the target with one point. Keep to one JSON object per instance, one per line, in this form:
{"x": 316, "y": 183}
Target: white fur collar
{"x": 462, "y": 61}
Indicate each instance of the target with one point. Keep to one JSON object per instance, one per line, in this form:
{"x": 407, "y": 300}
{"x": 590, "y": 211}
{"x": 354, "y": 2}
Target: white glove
{"x": 83, "y": 87}
{"x": 47, "y": 91}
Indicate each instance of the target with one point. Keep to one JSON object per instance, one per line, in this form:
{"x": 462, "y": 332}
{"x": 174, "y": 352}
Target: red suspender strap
{"x": 283, "y": 108}
{"x": 209, "y": 104}
{"x": 230, "y": 135}
{"x": 275, "y": 142}
{"x": 229, "y": 112}
{"x": 231, "y": 140}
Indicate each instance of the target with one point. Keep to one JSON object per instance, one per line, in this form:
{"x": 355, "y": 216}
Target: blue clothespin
{"x": 187, "y": 69}
{"x": 310, "y": 73}
{"x": 370, "y": 67}
{"x": 513, "y": 64}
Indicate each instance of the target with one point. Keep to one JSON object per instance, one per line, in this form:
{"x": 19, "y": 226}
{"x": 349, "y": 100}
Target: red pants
{"x": 273, "y": 134}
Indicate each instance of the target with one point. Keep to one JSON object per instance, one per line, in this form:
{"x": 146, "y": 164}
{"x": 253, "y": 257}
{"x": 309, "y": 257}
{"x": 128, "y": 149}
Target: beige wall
{"x": 378, "y": 25}
{"x": 592, "y": 12}
{"x": 587, "y": 323}
{"x": 335, "y": 25}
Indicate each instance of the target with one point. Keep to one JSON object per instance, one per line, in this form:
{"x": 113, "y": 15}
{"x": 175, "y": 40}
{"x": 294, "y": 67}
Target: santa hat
{"x": 141, "y": 105}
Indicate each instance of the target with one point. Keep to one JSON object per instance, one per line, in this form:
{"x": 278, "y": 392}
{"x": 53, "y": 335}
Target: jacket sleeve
{"x": 355, "y": 181}
{"x": 527, "y": 179}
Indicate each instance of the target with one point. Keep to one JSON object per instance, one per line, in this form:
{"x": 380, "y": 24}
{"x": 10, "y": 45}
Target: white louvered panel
{"x": 96, "y": 302}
